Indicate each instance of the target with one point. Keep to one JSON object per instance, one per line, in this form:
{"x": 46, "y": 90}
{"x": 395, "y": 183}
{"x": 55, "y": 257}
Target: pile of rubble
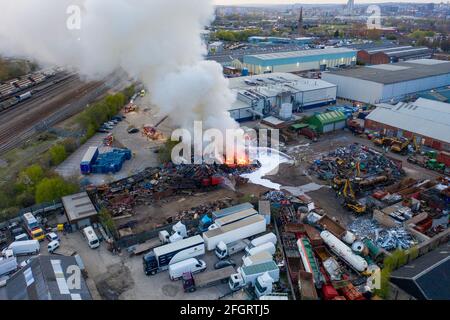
{"x": 386, "y": 238}
{"x": 154, "y": 184}
{"x": 208, "y": 208}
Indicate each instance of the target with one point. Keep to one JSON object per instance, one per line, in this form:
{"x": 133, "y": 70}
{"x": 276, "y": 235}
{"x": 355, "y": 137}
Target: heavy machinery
{"x": 383, "y": 141}
{"x": 400, "y": 146}
{"x": 354, "y": 126}
{"x": 350, "y": 201}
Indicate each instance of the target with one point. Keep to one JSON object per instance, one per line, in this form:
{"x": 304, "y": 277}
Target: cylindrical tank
{"x": 358, "y": 247}
{"x": 286, "y": 111}
{"x": 344, "y": 251}
{"x": 349, "y": 237}
{"x": 374, "y": 251}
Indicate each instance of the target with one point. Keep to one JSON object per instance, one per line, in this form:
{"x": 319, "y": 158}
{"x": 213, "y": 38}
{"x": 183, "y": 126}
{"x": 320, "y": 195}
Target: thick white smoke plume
{"x": 156, "y": 41}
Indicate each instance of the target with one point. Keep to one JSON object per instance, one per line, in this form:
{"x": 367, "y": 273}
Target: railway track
{"x": 42, "y": 91}
{"x": 59, "y": 110}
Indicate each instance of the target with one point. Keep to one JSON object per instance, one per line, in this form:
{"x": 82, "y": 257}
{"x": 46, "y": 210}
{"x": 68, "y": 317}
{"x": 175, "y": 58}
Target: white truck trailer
{"x": 266, "y": 247}
{"x": 26, "y": 247}
{"x": 235, "y": 217}
{"x": 268, "y": 237}
{"x": 161, "y": 257}
{"x": 257, "y": 258}
{"x": 235, "y": 231}
{"x": 223, "y": 250}
{"x": 258, "y": 276}
{"x": 8, "y": 265}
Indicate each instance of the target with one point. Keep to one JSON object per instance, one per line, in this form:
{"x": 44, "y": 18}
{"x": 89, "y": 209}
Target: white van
{"x": 52, "y": 246}
{"x": 91, "y": 237}
{"x": 193, "y": 265}
{"x": 267, "y": 247}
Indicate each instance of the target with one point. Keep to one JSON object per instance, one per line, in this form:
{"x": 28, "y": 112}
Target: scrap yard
{"x": 159, "y": 150}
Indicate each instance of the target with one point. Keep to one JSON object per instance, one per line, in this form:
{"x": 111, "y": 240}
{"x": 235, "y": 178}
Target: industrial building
{"x": 301, "y": 60}
{"x": 428, "y": 277}
{"x": 384, "y": 54}
{"x": 439, "y": 94}
{"x": 327, "y": 121}
{"x": 263, "y": 95}
{"x": 80, "y": 210}
{"x": 389, "y": 82}
{"x": 301, "y": 41}
{"x": 46, "y": 278}
{"x": 425, "y": 120}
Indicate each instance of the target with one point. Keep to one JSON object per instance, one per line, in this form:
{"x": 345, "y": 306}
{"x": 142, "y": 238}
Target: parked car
{"x": 103, "y": 130}
{"x": 52, "y": 236}
{"x": 133, "y": 130}
{"x": 224, "y": 263}
{"x": 52, "y": 246}
{"x": 21, "y": 237}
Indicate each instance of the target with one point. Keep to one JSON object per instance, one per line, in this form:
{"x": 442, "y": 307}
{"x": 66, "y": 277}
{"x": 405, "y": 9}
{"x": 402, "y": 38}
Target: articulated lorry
{"x": 223, "y": 250}
{"x": 25, "y": 247}
{"x": 206, "y": 221}
{"x": 206, "y": 279}
{"x": 260, "y": 276}
{"x": 161, "y": 257}
{"x": 234, "y": 231}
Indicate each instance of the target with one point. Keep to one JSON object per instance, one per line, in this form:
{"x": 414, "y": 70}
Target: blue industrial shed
{"x": 300, "y": 60}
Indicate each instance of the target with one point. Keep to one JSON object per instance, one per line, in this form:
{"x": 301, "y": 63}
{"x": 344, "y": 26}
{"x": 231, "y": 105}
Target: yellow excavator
{"x": 350, "y": 199}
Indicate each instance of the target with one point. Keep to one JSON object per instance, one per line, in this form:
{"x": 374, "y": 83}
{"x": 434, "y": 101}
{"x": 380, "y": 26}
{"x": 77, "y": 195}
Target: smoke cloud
{"x": 155, "y": 41}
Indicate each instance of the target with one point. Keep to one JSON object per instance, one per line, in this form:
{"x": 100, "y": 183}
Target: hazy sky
{"x": 234, "y": 2}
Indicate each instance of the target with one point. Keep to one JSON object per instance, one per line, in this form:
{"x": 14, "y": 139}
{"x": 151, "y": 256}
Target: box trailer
{"x": 257, "y": 258}
{"x": 161, "y": 257}
{"x": 227, "y": 211}
{"x": 235, "y": 217}
{"x": 225, "y": 250}
{"x": 88, "y": 160}
{"x": 7, "y": 265}
{"x": 235, "y": 231}
{"x": 24, "y": 247}
{"x": 247, "y": 276}
{"x": 269, "y": 237}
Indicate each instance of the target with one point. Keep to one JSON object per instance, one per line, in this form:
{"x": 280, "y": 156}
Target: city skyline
{"x": 343, "y": 2}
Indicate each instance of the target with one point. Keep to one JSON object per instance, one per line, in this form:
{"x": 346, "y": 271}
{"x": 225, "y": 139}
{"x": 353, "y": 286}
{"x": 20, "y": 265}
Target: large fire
{"x": 241, "y": 160}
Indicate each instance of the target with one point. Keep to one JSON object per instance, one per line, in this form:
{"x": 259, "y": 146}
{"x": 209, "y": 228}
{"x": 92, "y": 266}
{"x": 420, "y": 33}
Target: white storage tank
{"x": 341, "y": 249}
{"x": 286, "y": 111}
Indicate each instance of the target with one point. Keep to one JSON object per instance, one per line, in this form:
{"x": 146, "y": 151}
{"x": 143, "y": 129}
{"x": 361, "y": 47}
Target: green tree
{"x": 50, "y": 189}
{"x": 336, "y": 34}
{"x": 107, "y": 221}
{"x": 58, "y": 154}
{"x": 31, "y": 175}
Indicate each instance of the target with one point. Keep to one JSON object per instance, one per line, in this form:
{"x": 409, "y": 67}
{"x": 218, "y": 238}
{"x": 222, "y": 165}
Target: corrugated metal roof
{"x": 330, "y": 117}
{"x": 302, "y": 53}
{"x": 425, "y": 117}
{"x": 385, "y": 74}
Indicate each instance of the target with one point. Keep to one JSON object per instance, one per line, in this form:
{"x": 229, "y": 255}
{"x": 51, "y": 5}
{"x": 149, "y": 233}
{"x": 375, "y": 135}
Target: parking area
{"x": 122, "y": 277}
{"x": 142, "y": 148}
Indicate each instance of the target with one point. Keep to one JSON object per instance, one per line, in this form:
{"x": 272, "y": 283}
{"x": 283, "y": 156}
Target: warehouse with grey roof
{"x": 389, "y": 82}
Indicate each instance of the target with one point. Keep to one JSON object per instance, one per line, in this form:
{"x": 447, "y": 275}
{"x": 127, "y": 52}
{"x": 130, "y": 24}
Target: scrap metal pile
{"x": 386, "y": 238}
{"x": 345, "y": 160}
{"x": 154, "y": 184}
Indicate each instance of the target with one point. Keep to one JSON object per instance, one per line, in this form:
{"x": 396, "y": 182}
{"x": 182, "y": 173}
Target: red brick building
{"x": 425, "y": 120}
